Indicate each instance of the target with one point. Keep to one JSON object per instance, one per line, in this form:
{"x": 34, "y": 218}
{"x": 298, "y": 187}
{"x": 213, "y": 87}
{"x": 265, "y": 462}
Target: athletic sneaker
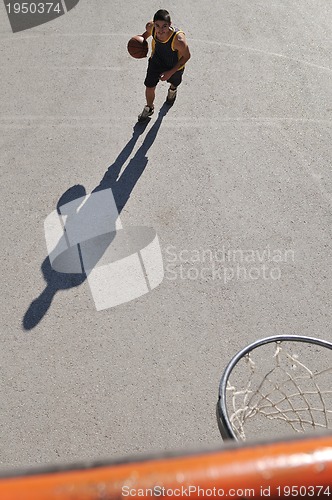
{"x": 147, "y": 111}
{"x": 171, "y": 96}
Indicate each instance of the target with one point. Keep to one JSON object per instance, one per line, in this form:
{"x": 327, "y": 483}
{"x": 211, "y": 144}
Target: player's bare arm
{"x": 180, "y": 44}
{"x": 148, "y": 30}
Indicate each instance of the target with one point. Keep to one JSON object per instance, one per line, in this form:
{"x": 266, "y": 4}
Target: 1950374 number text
{"x": 34, "y": 8}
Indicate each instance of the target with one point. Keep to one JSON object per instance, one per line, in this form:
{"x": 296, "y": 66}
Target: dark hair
{"x": 162, "y": 15}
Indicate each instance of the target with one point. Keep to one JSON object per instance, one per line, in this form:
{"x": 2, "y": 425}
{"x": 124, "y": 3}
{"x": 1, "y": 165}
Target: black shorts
{"x": 153, "y": 75}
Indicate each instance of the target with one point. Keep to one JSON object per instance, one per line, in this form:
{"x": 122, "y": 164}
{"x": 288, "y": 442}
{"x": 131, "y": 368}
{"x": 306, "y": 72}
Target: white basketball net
{"x": 280, "y": 392}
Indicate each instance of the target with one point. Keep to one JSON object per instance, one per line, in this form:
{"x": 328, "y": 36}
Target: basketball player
{"x": 170, "y": 52}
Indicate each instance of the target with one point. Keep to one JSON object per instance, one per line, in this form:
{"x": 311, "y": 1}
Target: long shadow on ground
{"x": 122, "y": 187}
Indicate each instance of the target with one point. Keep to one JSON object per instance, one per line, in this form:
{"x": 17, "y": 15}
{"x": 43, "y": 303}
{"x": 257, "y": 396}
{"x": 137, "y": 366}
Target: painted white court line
{"x": 192, "y": 40}
{"x": 264, "y": 52}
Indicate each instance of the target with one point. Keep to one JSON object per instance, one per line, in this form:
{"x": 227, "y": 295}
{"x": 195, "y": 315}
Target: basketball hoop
{"x": 277, "y": 385}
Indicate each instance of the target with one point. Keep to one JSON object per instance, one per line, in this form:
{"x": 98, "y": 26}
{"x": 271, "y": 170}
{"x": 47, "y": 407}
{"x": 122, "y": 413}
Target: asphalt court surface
{"x": 235, "y": 179}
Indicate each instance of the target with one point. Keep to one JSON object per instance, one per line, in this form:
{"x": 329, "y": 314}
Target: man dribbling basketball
{"x": 170, "y": 52}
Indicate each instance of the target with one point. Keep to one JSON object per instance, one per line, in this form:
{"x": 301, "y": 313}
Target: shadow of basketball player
{"x": 122, "y": 187}
{"x": 55, "y": 281}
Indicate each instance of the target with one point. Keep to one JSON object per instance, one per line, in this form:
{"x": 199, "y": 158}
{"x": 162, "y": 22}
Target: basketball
{"x": 138, "y": 47}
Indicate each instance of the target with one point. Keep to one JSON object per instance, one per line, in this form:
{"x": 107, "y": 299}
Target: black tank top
{"x": 163, "y": 53}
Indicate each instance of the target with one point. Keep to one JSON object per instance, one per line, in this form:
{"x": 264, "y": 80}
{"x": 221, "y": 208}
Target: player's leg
{"x": 175, "y": 81}
{"x": 171, "y": 94}
{"x": 150, "y": 94}
{"x": 150, "y": 82}
{"x": 148, "y": 109}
